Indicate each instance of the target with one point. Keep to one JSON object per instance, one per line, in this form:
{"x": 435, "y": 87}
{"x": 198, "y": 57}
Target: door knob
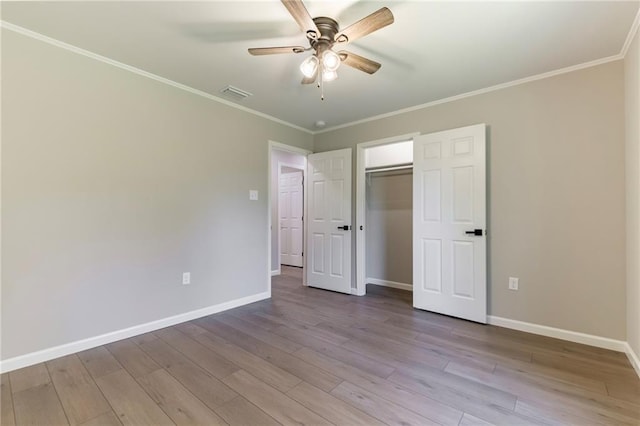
{"x": 344, "y": 228}
{"x": 477, "y": 232}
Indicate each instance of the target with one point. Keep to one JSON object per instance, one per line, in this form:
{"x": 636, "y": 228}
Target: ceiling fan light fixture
{"x": 323, "y": 33}
{"x": 330, "y": 60}
{"x": 328, "y": 75}
{"x": 309, "y": 66}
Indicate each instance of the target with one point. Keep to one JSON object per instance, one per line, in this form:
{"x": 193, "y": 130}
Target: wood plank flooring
{"x": 309, "y": 356}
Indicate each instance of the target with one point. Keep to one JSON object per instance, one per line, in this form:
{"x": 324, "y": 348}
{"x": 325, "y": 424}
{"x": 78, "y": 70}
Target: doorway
{"x": 389, "y": 227}
{"x": 282, "y": 159}
{"x": 327, "y": 203}
{"x": 291, "y": 215}
{"x": 383, "y": 212}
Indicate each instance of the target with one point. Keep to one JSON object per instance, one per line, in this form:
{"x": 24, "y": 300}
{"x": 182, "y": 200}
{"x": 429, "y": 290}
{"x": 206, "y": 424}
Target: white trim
{"x": 478, "y": 92}
{"x": 387, "y": 283}
{"x": 361, "y": 206}
{"x": 356, "y": 292}
{"x": 389, "y": 140}
{"x": 289, "y": 148}
{"x": 276, "y": 272}
{"x": 559, "y": 333}
{"x": 92, "y": 342}
{"x": 632, "y": 33}
{"x": 41, "y": 37}
{"x": 633, "y": 358}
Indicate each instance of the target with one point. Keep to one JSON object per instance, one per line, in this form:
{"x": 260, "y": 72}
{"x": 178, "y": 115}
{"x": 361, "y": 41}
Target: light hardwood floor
{"x": 309, "y": 356}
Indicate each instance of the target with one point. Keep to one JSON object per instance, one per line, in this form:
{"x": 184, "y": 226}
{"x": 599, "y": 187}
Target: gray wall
{"x": 287, "y": 158}
{"x": 112, "y": 186}
{"x": 556, "y": 191}
{"x": 632, "y": 91}
{"x": 389, "y": 226}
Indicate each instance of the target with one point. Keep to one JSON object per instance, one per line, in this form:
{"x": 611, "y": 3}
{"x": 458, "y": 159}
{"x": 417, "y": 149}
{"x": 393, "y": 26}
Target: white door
{"x": 291, "y": 207}
{"x": 449, "y": 223}
{"x": 329, "y": 220}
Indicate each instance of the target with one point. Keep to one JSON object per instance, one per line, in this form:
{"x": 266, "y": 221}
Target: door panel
{"x": 317, "y": 254}
{"x": 431, "y": 199}
{"x": 462, "y": 195}
{"x": 329, "y": 207}
{"x": 449, "y": 198}
{"x": 432, "y": 265}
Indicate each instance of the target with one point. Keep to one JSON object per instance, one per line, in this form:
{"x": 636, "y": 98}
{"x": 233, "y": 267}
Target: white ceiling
{"x": 434, "y": 50}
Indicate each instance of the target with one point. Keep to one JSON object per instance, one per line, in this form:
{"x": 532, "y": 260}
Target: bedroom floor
{"x": 309, "y": 356}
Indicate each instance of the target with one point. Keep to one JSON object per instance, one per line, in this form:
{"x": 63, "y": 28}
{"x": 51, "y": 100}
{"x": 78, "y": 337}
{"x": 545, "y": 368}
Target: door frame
{"x": 277, "y": 146}
{"x": 303, "y": 170}
{"x": 361, "y": 206}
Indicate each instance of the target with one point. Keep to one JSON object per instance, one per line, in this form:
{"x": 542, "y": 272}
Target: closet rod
{"x": 389, "y": 168}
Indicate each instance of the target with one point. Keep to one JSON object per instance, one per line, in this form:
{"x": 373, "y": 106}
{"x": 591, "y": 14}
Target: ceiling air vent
{"x": 235, "y": 93}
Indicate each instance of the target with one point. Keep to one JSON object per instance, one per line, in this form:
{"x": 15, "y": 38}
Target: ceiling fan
{"x": 324, "y": 34}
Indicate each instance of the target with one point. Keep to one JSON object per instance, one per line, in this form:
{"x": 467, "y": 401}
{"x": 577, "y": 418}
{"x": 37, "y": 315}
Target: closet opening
{"x": 384, "y": 198}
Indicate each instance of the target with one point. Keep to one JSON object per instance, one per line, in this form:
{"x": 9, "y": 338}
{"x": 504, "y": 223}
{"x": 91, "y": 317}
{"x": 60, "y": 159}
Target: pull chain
{"x": 321, "y": 82}
{"x": 320, "y": 79}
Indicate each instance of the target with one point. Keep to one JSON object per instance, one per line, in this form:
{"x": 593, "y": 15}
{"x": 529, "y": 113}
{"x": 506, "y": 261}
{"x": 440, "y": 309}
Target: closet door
{"x": 449, "y": 223}
{"x": 329, "y": 220}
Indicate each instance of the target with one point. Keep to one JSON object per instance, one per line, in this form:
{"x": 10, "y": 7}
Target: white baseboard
{"x": 276, "y": 272}
{"x": 387, "y": 283}
{"x": 558, "y": 333}
{"x": 26, "y": 360}
{"x": 633, "y": 358}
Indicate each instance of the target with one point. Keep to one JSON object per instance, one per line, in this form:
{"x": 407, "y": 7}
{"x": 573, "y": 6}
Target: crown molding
{"x": 35, "y": 35}
{"x": 479, "y": 92}
{"x": 623, "y": 52}
{"x": 632, "y": 33}
{"x": 66, "y": 46}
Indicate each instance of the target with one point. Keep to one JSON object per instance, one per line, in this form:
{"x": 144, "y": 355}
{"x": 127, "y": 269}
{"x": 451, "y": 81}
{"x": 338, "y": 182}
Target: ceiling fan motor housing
{"x": 328, "y": 29}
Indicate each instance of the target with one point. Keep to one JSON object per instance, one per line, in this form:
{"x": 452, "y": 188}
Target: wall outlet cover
{"x": 253, "y": 195}
{"x": 186, "y": 278}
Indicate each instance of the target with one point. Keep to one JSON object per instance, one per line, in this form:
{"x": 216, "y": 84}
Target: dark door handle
{"x": 477, "y": 232}
{"x": 344, "y": 228}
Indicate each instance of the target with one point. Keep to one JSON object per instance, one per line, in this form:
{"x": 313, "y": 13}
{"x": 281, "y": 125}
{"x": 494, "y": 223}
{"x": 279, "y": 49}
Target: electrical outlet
{"x": 513, "y": 283}
{"x": 186, "y": 278}
{"x": 253, "y": 195}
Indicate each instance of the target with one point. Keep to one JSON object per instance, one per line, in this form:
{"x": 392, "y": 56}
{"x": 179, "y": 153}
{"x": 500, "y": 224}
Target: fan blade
{"x": 301, "y": 15}
{"x": 378, "y": 19}
{"x": 358, "y": 62}
{"x": 310, "y": 80}
{"x": 256, "y": 51}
